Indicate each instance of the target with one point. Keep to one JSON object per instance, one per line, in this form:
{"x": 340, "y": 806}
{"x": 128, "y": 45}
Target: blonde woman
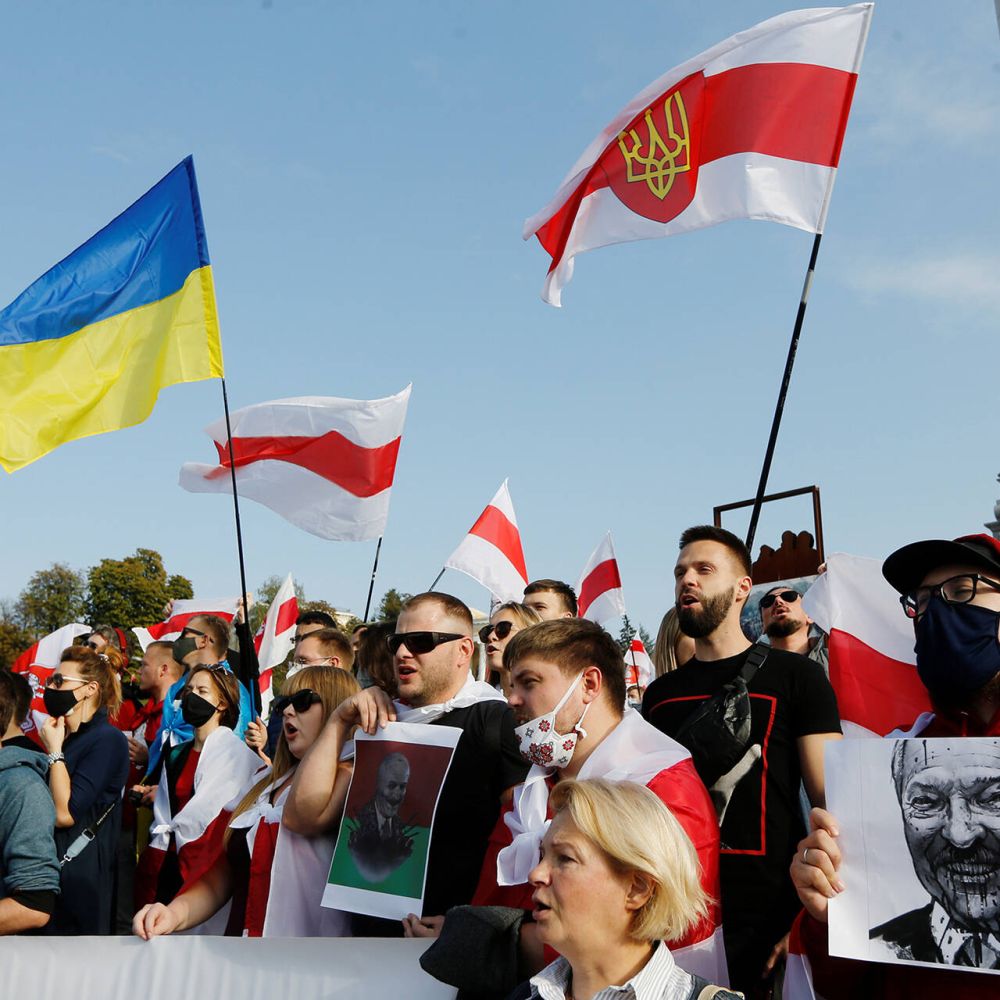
{"x": 88, "y": 766}
{"x": 617, "y": 875}
{"x": 274, "y": 878}
{"x": 672, "y": 647}
{"x": 507, "y": 620}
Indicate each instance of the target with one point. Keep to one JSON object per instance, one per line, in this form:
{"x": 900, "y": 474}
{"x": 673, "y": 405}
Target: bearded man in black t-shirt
{"x": 793, "y": 711}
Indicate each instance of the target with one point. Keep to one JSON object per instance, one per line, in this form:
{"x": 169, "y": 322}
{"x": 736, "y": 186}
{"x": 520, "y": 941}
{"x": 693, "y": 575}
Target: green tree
{"x": 390, "y": 605}
{"x": 52, "y": 598}
{"x": 628, "y": 633}
{"x": 132, "y": 591}
{"x": 14, "y": 638}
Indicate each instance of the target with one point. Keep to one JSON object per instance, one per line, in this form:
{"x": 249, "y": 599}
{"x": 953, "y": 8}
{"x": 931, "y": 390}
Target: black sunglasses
{"x": 788, "y": 596}
{"x": 420, "y": 642}
{"x": 187, "y": 630}
{"x": 502, "y": 630}
{"x": 57, "y": 679}
{"x": 301, "y": 701}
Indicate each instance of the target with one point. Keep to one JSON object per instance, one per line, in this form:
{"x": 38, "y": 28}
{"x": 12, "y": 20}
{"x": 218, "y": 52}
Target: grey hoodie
{"x": 27, "y": 819}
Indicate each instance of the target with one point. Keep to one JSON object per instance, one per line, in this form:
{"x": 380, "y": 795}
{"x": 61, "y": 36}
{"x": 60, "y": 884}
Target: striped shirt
{"x": 659, "y": 979}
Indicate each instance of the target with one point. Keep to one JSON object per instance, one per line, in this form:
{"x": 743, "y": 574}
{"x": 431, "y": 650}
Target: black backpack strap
{"x": 754, "y": 661}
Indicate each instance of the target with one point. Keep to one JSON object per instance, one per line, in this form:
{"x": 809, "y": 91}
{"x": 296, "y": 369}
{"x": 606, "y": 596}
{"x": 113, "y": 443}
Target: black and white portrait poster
{"x": 379, "y": 862}
{"x": 920, "y": 835}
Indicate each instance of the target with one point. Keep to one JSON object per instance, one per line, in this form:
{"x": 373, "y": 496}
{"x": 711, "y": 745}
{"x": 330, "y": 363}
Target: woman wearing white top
{"x": 617, "y": 875}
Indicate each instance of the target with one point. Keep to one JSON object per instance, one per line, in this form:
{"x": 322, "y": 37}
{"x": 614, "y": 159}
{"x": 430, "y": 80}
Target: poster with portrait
{"x": 379, "y": 862}
{"x": 750, "y": 617}
{"x": 919, "y": 824}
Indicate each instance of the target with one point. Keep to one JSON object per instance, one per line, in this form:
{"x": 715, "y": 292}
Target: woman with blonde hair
{"x": 506, "y": 620}
{"x": 88, "y": 766}
{"x": 273, "y": 878}
{"x": 672, "y": 647}
{"x": 617, "y": 875}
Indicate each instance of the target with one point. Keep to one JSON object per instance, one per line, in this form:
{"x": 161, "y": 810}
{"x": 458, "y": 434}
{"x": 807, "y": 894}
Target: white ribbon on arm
{"x": 527, "y": 822}
{"x": 472, "y": 691}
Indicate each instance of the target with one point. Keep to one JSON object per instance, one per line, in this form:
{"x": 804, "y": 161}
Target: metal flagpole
{"x": 782, "y": 393}
{"x": 435, "y": 583}
{"x": 254, "y": 668}
{"x": 371, "y": 585}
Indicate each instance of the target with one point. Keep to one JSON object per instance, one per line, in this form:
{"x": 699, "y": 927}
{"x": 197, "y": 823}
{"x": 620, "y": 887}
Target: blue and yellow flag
{"x": 87, "y": 347}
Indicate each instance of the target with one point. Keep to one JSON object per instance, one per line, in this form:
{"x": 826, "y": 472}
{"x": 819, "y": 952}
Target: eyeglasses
{"x": 57, "y": 680}
{"x": 955, "y": 590}
{"x": 788, "y": 596}
{"x": 322, "y": 661}
{"x": 420, "y": 642}
{"x": 502, "y": 630}
{"x": 301, "y": 701}
{"x": 187, "y": 630}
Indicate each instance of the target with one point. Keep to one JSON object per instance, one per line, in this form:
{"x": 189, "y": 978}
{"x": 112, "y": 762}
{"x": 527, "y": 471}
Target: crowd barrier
{"x": 179, "y": 967}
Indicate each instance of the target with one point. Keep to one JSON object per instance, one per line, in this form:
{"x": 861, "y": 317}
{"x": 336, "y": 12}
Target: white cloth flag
{"x": 491, "y": 552}
{"x": 324, "y": 463}
{"x": 599, "y": 592}
{"x": 275, "y": 638}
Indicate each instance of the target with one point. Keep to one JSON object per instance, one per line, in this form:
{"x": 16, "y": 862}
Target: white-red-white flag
{"x": 599, "y": 594}
{"x": 750, "y": 129}
{"x": 638, "y": 665}
{"x": 872, "y": 663}
{"x": 37, "y": 662}
{"x": 181, "y": 613}
{"x": 491, "y": 552}
{"x": 325, "y": 464}
{"x": 275, "y": 637}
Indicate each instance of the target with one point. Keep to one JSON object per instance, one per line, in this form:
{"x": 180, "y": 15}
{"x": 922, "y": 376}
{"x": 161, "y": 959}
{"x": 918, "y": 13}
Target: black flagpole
{"x": 435, "y": 583}
{"x": 782, "y": 393}
{"x": 254, "y": 669}
{"x": 371, "y": 585}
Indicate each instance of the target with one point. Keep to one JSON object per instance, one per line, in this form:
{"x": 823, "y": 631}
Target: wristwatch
{"x": 54, "y": 758}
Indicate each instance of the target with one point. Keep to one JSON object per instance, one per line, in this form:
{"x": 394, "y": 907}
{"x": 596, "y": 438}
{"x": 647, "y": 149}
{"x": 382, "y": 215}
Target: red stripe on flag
{"x": 793, "y": 110}
{"x": 602, "y": 578}
{"x": 494, "y": 527}
{"x": 287, "y": 614}
{"x": 872, "y": 689}
{"x": 175, "y": 624}
{"x": 364, "y": 472}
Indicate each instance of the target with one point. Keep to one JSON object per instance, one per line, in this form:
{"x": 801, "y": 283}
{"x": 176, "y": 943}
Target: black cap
{"x": 906, "y": 568}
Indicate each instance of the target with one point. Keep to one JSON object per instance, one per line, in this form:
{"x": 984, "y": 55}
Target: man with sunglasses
{"x": 788, "y": 627}
{"x": 950, "y": 590}
{"x": 432, "y": 648}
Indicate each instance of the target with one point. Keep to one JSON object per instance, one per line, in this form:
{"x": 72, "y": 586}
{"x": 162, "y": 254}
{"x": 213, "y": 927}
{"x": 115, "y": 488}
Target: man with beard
{"x": 793, "y": 712}
{"x": 788, "y": 627}
{"x": 950, "y": 590}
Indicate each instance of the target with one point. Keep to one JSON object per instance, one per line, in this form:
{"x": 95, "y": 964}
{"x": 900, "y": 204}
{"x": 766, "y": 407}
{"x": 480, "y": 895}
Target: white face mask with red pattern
{"x": 539, "y": 742}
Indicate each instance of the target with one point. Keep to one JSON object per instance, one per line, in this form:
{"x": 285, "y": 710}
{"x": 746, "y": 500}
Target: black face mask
{"x": 196, "y": 710}
{"x": 58, "y": 703}
{"x": 184, "y": 646}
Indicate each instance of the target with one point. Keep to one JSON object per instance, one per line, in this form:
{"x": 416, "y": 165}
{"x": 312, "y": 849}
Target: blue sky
{"x": 365, "y": 170}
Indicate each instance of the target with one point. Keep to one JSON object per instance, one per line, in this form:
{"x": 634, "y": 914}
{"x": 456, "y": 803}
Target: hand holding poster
{"x": 920, "y": 836}
{"x": 380, "y": 859}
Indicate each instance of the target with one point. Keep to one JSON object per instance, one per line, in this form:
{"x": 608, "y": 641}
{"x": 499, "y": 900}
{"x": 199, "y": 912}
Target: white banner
{"x": 120, "y": 968}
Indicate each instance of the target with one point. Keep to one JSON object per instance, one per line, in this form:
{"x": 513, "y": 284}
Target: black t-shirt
{"x": 790, "y": 697}
{"x": 486, "y": 763}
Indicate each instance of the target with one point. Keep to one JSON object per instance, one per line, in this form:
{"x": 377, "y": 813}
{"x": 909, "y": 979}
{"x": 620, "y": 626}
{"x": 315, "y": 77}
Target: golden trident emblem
{"x": 658, "y": 164}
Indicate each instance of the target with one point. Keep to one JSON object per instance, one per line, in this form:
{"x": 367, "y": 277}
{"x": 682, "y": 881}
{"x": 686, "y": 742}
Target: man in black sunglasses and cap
{"x": 788, "y": 627}
{"x": 950, "y": 590}
{"x": 432, "y": 649}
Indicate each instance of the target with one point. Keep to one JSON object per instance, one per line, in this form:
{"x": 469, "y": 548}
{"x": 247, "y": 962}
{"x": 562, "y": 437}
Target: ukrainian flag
{"x": 87, "y": 347}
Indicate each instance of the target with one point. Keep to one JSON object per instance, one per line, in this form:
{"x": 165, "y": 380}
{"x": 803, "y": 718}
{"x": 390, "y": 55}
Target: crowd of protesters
{"x": 578, "y": 846}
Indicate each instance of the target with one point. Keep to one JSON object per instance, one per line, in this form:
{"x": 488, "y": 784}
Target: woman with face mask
{"x": 274, "y": 878}
{"x": 616, "y": 876}
{"x": 198, "y": 778}
{"x": 88, "y": 766}
{"x": 506, "y": 620}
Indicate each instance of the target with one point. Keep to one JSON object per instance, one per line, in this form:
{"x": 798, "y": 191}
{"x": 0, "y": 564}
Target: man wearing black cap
{"x": 951, "y": 592}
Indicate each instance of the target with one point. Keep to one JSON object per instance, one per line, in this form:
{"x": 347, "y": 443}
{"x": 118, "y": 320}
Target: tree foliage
{"x": 14, "y": 640}
{"x": 132, "y": 591}
{"x": 628, "y": 632}
{"x": 52, "y": 598}
{"x": 390, "y": 605}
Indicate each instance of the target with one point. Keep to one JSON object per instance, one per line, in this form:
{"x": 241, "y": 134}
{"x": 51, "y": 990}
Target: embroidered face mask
{"x": 539, "y": 742}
